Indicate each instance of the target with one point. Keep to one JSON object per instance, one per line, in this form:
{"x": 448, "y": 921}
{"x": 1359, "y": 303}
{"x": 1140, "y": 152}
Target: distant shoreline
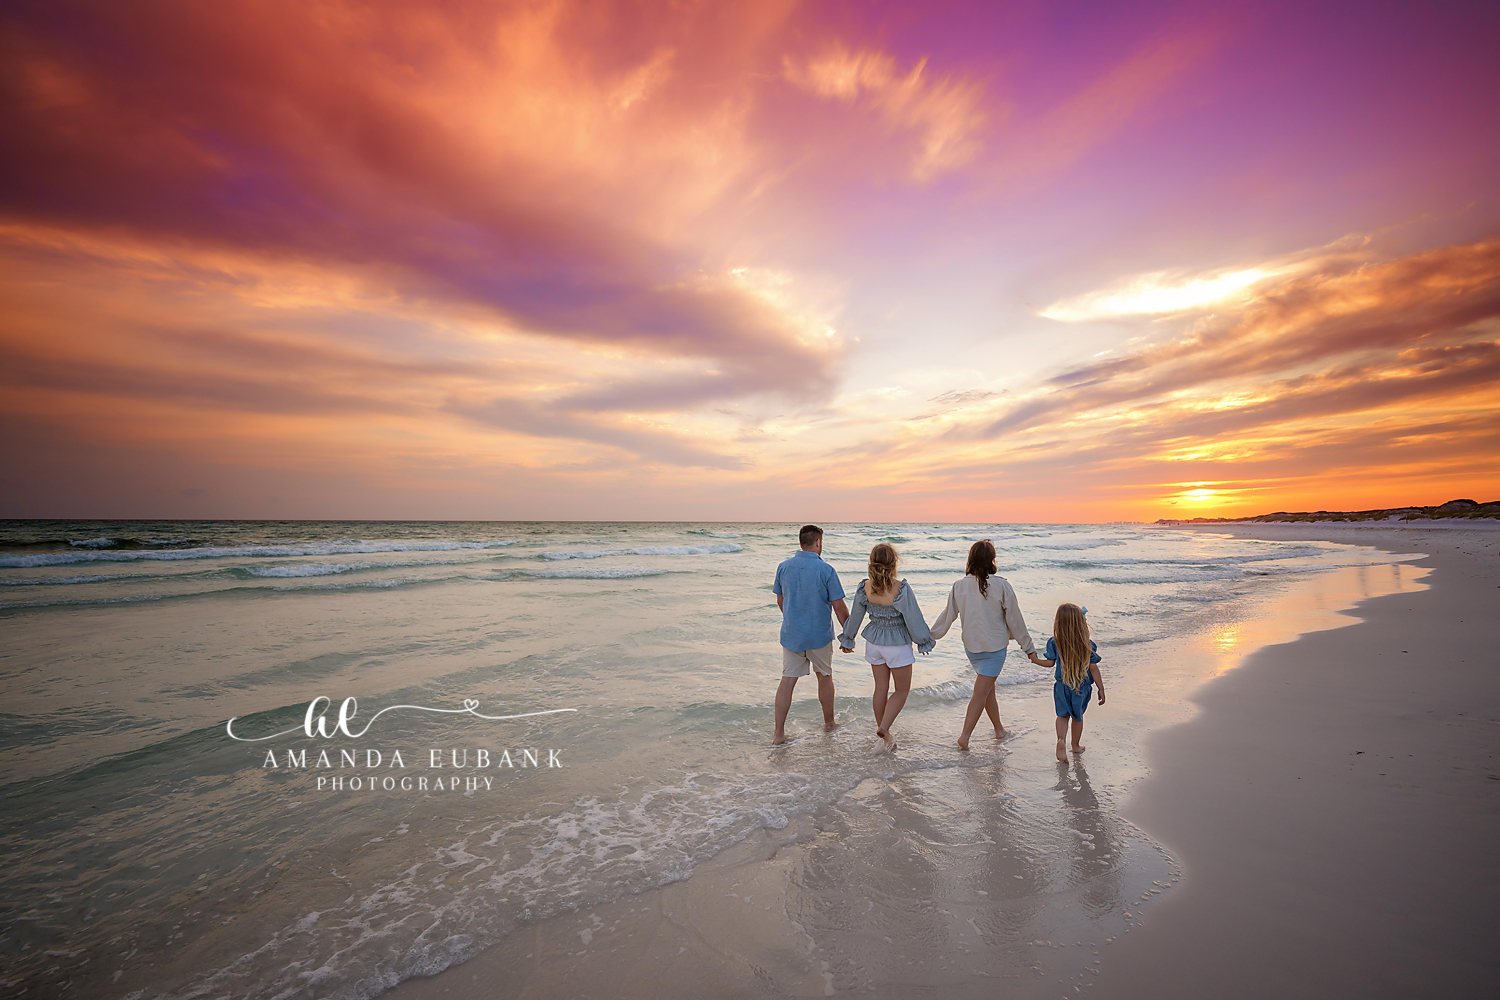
{"x": 1453, "y": 510}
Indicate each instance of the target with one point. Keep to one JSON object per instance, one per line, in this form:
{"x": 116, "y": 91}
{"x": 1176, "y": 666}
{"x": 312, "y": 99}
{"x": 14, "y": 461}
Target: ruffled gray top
{"x": 897, "y": 624}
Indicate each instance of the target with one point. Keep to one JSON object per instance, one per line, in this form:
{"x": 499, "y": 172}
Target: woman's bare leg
{"x": 992, "y": 708}
{"x": 979, "y": 702}
{"x": 902, "y": 677}
{"x": 882, "y": 689}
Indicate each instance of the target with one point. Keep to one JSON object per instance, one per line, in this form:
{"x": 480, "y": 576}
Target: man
{"x": 806, "y": 588}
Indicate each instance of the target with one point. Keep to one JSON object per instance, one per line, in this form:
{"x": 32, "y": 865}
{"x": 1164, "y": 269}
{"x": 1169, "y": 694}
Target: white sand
{"x": 1336, "y": 806}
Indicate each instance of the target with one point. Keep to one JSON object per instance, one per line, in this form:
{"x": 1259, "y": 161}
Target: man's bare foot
{"x": 778, "y": 739}
{"x": 963, "y": 743}
{"x": 1079, "y": 748}
{"x": 1061, "y": 754}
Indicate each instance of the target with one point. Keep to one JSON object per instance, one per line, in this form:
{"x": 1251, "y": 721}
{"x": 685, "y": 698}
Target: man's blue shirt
{"x": 808, "y": 586}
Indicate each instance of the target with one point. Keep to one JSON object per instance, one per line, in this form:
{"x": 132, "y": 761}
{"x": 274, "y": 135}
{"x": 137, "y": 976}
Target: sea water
{"x": 149, "y": 852}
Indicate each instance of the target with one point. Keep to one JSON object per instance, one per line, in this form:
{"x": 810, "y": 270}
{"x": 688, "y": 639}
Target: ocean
{"x": 150, "y": 853}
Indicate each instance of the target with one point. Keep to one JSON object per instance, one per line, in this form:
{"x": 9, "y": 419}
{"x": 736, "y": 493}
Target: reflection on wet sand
{"x": 943, "y": 879}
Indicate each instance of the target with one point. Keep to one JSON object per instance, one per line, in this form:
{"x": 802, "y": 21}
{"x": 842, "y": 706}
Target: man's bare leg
{"x": 825, "y": 698}
{"x": 783, "y": 706}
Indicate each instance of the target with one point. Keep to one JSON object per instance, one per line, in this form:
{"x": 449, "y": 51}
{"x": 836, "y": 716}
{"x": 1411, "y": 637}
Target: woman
{"x": 991, "y": 618}
{"x": 895, "y": 620}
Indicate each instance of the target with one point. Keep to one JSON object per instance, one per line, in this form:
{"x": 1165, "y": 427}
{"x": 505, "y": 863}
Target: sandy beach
{"x": 1315, "y": 822}
{"x": 1335, "y": 805}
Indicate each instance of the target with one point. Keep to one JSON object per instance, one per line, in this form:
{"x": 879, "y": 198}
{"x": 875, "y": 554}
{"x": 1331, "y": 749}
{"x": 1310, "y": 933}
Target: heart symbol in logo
{"x": 470, "y": 704}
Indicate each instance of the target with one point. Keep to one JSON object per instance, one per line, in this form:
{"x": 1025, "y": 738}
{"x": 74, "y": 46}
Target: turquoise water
{"x": 149, "y": 854}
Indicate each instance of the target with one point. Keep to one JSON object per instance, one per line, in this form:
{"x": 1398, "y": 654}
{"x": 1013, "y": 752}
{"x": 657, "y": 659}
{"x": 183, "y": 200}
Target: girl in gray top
{"x": 895, "y": 621}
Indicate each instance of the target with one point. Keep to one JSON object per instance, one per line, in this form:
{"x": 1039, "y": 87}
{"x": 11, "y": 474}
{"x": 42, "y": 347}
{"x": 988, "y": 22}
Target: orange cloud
{"x": 562, "y": 251}
{"x": 1362, "y": 374}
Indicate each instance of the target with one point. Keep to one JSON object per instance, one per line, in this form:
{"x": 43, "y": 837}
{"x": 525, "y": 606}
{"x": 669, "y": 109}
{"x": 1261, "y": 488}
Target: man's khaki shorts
{"x": 796, "y": 664}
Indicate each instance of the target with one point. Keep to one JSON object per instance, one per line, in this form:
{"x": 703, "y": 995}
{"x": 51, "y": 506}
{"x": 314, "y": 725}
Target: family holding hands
{"x": 808, "y": 592}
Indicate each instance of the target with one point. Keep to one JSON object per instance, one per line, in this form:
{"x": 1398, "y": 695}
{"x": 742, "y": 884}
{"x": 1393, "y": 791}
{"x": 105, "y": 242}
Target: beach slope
{"x": 1336, "y": 804}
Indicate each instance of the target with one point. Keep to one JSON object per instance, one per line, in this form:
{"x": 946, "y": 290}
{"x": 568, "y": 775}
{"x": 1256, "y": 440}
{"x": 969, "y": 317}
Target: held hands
{"x": 845, "y": 649}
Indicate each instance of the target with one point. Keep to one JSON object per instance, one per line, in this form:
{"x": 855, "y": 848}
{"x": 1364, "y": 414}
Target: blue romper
{"x": 1070, "y": 703}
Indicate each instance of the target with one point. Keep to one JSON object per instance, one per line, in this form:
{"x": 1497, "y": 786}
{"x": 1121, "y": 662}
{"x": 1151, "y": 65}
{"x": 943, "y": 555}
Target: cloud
{"x": 1344, "y": 364}
{"x": 946, "y": 113}
{"x": 1335, "y": 310}
{"x": 645, "y": 441}
{"x": 470, "y": 158}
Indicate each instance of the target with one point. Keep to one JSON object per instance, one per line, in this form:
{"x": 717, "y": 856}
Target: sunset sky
{"x": 747, "y": 261}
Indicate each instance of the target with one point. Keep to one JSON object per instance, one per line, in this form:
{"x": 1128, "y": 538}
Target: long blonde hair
{"x": 882, "y": 567}
{"x": 1070, "y": 634}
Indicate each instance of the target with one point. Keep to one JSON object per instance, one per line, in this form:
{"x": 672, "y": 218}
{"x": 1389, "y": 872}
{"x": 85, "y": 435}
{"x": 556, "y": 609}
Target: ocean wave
{"x": 103, "y": 542}
{"x": 44, "y": 581}
{"x": 232, "y": 589}
{"x": 334, "y": 569}
{"x": 647, "y": 550}
{"x": 1171, "y": 576}
{"x": 1199, "y": 561}
{"x": 1133, "y": 640}
{"x": 340, "y": 547}
{"x": 603, "y": 573}
{"x": 1090, "y": 544}
{"x": 1018, "y": 670}
{"x": 81, "y": 601}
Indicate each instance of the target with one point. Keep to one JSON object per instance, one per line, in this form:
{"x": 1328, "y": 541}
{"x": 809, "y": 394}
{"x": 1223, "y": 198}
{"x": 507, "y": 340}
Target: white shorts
{"x": 889, "y": 656}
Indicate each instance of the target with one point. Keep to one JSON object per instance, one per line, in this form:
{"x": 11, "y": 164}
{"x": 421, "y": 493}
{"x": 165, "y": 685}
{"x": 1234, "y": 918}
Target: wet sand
{"x": 1269, "y": 857}
{"x": 1336, "y": 804}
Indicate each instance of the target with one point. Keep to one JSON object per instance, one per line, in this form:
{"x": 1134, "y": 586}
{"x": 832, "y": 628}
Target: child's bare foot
{"x": 890, "y": 741}
{"x": 829, "y": 725}
{"x": 1061, "y": 754}
{"x": 963, "y": 743}
{"x": 778, "y": 739}
{"x": 1001, "y": 732}
{"x": 1079, "y": 748}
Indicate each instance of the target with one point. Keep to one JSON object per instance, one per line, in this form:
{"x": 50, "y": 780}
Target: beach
{"x": 672, "y": 851}
{"x": 1336, "y": 803}
{"x": 1320, "y": 826}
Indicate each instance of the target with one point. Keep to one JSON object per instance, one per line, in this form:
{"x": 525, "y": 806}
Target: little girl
{"x": 1076, "y": 658}
{"x": 895, "y": 620}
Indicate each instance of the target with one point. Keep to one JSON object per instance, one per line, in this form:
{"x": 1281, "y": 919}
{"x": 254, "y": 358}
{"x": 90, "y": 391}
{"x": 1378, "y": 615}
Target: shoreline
{"x": 698, "y": 943}
{"x": 1336, "y": 826}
